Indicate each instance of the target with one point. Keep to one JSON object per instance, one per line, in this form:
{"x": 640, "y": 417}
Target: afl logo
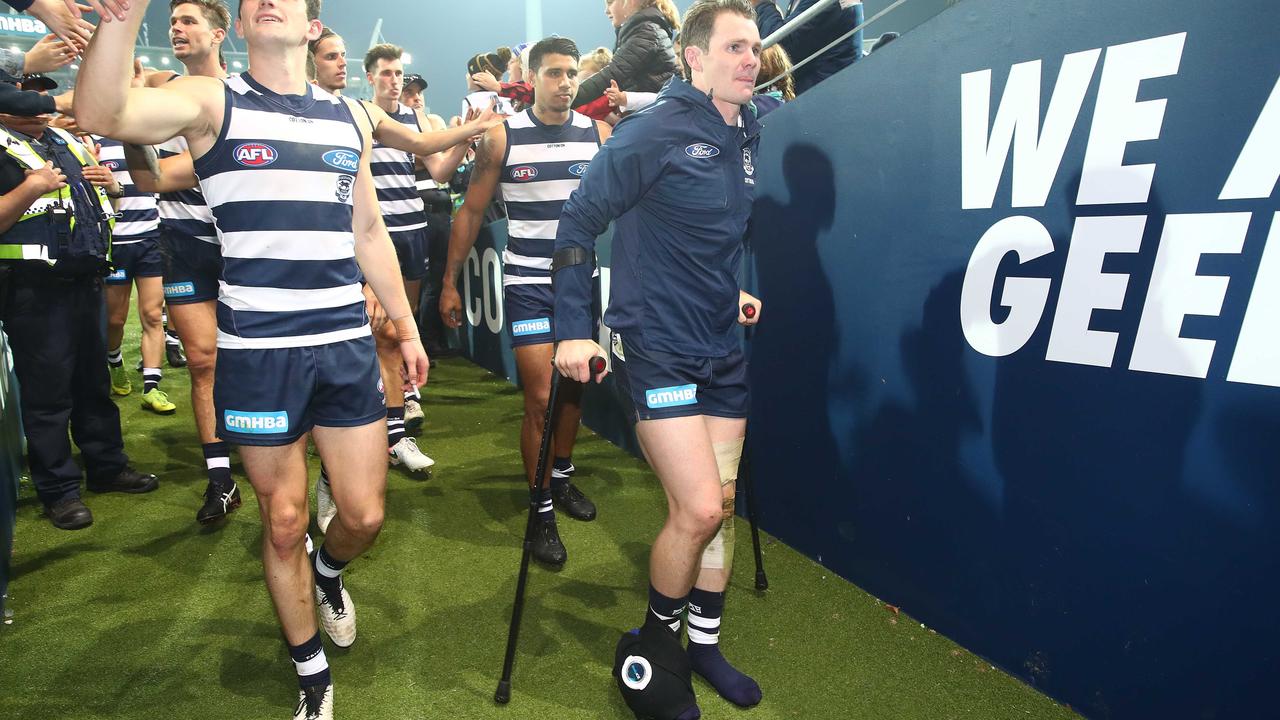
{"x": 342, "y": 160}
{"x": 702, "y": 150}
{"x": 255, "y": 155}
{"x": 111, "y": 165}
{"x": 580, "y": 169}
{"x": 524, "y": 173}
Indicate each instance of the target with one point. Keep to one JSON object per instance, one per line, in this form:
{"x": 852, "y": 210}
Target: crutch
{"x": 744, "y": 476}
{"x": 503, "y": 694}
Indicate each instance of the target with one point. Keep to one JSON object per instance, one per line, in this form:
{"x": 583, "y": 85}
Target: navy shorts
{"x": 527, "y": 309}
{"x": 133, "y": 260}
{"x": 663, "y": 385}
{"x": 192, "y": 268}
{"x": 274, "y": 396}
{"x": 411, "y": 251}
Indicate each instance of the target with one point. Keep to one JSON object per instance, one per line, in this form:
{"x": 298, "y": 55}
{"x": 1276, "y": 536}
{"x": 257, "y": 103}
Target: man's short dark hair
{"x": 325, "y": 34}
{"x": 385, "y": 51}
{"x": 313, "y": 9}
{"x": 700, "y": 21}
{"x": 215, "y": 11}
{"x": 554, "y": 45}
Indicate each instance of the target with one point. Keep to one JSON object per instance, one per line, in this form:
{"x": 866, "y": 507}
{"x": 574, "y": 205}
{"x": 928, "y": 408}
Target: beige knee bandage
{"x": 719, "y": 552}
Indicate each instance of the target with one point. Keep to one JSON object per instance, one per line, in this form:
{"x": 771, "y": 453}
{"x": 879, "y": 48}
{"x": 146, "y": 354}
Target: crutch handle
{"x": 596, "y": 365}
{"x": 748, "y": 310}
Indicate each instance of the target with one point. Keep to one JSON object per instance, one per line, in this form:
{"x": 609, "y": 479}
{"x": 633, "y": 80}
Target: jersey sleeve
{"x": 618, "y": 177}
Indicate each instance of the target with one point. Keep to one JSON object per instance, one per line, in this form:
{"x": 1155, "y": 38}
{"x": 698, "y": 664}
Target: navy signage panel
{"x": 1018, "y": 369}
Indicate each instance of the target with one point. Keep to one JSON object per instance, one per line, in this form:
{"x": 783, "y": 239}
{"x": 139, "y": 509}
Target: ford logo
{"x": 580, "y": 169}
{"x": 255, "y": 154}
{"x": 342, "y": 160}
{"x": 702, "y": 150}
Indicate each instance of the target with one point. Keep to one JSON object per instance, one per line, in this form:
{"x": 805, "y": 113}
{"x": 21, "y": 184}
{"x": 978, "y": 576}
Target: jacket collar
{"x": 704, "y": 111}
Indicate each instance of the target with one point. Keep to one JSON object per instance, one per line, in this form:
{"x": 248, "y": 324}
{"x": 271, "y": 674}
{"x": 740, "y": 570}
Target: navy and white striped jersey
{"x": 280, "y": 180}
{"x": 139, "y": 218}
{"x": 185, "y": 211}
{"x": 425, "y": 182}
{"x": 402, "y": 208}
{"x": 542, "y": 167}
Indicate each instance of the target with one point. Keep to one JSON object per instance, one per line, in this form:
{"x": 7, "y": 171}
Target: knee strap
{"x": 719, "y": 552}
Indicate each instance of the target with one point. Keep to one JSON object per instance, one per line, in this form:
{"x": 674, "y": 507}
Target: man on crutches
{"x": 678, "y": 181}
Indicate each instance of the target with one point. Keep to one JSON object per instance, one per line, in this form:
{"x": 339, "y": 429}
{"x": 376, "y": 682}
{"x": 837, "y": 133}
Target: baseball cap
{"x": 415, "y": 79}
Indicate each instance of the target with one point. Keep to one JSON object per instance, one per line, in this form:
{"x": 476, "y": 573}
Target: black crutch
{"x": 744, "y": 476}
{"x": 503, "y": 694}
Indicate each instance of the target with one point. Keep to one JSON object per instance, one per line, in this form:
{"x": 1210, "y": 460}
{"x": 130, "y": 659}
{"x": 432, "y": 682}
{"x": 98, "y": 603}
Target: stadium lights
{"x": 406, "y": 58}
{"x": 145, "y": 59}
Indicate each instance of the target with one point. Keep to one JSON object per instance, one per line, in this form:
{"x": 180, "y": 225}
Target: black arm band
{"x": 568, "y": 257}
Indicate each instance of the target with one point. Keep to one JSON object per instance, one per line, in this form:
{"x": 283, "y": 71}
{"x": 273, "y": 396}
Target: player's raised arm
{"x": 105, "y": 104}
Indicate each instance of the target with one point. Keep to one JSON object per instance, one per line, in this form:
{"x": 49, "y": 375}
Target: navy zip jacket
{"x": 679, "y": 182}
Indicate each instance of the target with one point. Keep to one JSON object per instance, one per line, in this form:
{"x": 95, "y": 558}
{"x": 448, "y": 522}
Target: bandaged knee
{"x": 719, "y": 552}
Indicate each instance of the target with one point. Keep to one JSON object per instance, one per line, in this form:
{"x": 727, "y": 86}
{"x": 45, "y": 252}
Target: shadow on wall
{"x": 793, "y": 348}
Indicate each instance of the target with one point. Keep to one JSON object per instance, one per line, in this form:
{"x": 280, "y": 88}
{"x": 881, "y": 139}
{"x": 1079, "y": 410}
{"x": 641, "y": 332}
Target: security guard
{"x": 55, "y": 234}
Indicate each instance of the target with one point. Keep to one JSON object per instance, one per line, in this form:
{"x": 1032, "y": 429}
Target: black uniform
{"x": 55, "y": 317}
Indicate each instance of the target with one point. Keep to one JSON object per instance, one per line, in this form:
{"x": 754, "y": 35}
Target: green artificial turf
{"x": 147, "y": 615}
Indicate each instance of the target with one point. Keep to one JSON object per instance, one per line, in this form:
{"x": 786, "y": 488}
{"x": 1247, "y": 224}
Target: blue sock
{"x": 665, "y": 610}
{"x": 310, "y": 662}
{"x": 327, "y": 570}
{"x": 705, "y": 610}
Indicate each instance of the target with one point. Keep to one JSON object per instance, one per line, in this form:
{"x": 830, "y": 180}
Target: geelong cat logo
{"x": 702, "y": 150}
{"x": 255, "y": 155}
{"x": 342, "y": 159}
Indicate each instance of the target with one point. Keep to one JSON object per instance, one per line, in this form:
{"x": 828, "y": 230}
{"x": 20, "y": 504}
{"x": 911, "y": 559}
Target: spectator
{"x": 775, "y": 63}
{"x": 833, "y": 22}
{"x": 644, "y": 56}
{"x": 594, "y": 63}
{"x": 47, "y": 55}
{"x": 480, "y": 69}
{"x": 517, "y": 90}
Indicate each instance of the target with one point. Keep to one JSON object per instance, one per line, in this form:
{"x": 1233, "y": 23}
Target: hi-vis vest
{"x": 46, "y": 231}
